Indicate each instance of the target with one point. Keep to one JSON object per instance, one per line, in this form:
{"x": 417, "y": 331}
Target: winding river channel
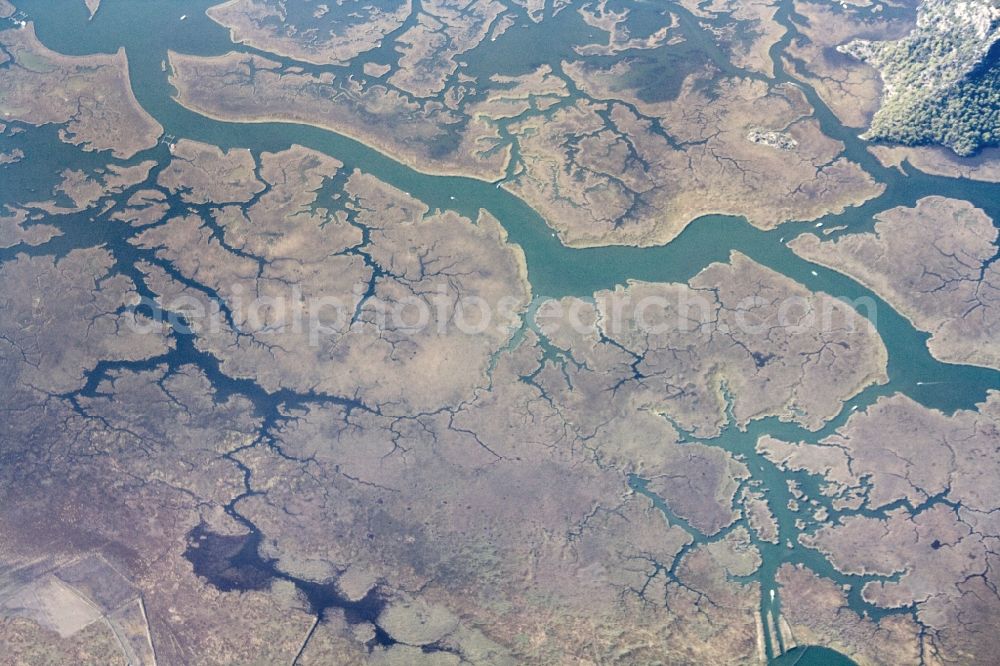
{"x": 148, "y": 28}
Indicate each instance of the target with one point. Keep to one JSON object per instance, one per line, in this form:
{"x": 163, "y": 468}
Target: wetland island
{"x": 499, "y": 332}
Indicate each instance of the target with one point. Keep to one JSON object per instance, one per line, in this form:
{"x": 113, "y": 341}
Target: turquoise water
{"x": 147, "y": 28}
{"x": 812, "y": 656}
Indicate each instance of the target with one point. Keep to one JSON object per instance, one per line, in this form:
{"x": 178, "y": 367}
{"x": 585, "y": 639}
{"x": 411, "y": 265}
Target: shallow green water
{"x": 812, "y": 656}
{"x": 147, "y": 28}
